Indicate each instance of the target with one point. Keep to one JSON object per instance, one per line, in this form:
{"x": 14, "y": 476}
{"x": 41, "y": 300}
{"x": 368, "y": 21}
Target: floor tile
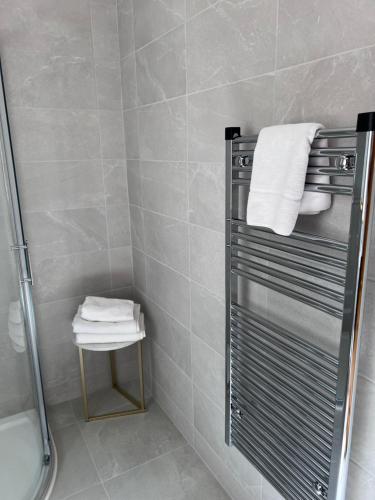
{"x": 179, "y": 475}
{"x": 95, "y": 493}
{"x": 61, "y": 415}
{"x": 102, "y": 401}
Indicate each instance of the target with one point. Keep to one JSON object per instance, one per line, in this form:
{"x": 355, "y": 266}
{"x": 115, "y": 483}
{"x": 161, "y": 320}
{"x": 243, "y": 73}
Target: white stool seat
{"x": 112, "y": 346}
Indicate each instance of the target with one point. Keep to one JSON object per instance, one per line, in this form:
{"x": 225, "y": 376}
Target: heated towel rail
{"x": 289, "y": 401}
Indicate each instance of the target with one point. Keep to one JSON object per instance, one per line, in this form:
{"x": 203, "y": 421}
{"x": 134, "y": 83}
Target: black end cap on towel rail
{"x": 366, "y": 122}
{"x": 232, "y": 133}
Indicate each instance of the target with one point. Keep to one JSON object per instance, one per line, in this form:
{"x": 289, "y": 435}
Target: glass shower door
{"x": 24, "y": 441}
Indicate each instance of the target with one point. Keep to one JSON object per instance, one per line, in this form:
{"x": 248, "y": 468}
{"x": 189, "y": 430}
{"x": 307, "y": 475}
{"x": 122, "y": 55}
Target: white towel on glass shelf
{"x": 103, "y": 309}
{"x": 278, "y": 178}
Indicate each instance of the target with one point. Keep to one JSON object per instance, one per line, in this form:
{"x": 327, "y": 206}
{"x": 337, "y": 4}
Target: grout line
{"x": 165, "y": 33}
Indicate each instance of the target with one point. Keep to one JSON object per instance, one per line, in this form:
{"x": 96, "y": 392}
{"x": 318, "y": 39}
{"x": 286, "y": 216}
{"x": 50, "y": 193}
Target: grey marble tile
{"x": 59, "y": 362}
{"x": 247, "y": 104}
{"x": 62, "y": 232}
{"x": 208, "y": 369}
{"x": 118, "y": 223}
{"x": 245, "y": 47}
{"x": 108, "y": 83}
{"x": 54, "y": 134}
{"x": 131, "y": 133}
{"x": 161, "y": 68}
{"x": 154, "y": 19}
{"x": 195, "y": 6}
{"x": 76, "y": 470}
{"x": 179, "y": 474}
{"x": 121, "y": 266}
{"x": 333, "y": 26}
{"x": 60, "y": 185}
{"x": 166, "y": 240}
{"x": 363, "y": 441}
{"x": 36, "y": 79}
{"x": 207, "y": 195}
{"x": 102, "y": 401}
{"x": 129, "y": 82}
{"x": 61, "y": 415}
{"x": 112, "y": 134}
{"x": 168, "y": 289}
{"x": 162, "y": 131}
{"x": 360, "y": 484}
{"x": 94, "y": 493}
{"x": 120, "y": 444}
{"x": 135, "y": 182}
{"x": 125, "y": 26}
{"x": 52, "y": 26}
{"x": 174, "y": 382}
{"x": 269, "y": 492}
{"x": 70, "y": 275}
{"x": 173, "y": 338}
{"x": 332, "y": 91}
{"x": 137, "y": 230}
{"x": 208, "y": 317}
{"x": 164, "y": 187}
{"x": 207, "y": 249}
{"x": 115, "y": 182}
{"x": 105, "y": 30}
{"x": 139, "y": 269}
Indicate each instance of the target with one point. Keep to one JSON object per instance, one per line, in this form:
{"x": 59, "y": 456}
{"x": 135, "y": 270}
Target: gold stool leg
{"x": 83, "y": 384}
{"x": 141, "y": 377}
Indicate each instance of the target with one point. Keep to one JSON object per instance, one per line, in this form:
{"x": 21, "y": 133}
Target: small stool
{"x": 112, "y": 348}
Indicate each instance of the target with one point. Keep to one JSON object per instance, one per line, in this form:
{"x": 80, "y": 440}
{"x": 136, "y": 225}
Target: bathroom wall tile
{"x": 108, "y": 83}
{"x": 135, "y": 182}
{"x": 61, "y": 415}
{"x": 54, "y": 134}
{"x": 207, "y": 249}
{"x": 170, "y": 336}
{"x": 196, "y": 6}
{"x": 168, "y": 289}
{"x": 210, "y": 112}
{"x": 48, "y": 81}
{"x": 115, "y": 182}
{"x": 147, "y": 436}
{"x": 118, "y": 226}
{"x": 207, "y": 195}
{"x": 69, "y": 276}
{"x": 137, "y": 227}
{"x": 269, "y": 492}
{"x": 131, "y": 133}
{"x": 166, "y": 240}
{"x": 164, "y": 187}
{"x": 154, "y": 19}
{"x": 121, "y": 266}
{"x": 350, "y": 29}
{"x": 367, "y": 350}
{"x": 173, "y": 380}
{"x": 60, "y": 185}
{"x": 363, "y": 441}
{"x": 176, "y": 475}
{"x": 52, "y": 26}
{"x": 208, "y": 317}
{"x": 76, "y": 472}
{"x": 112, "y": 134}
{"x": 125, "y": 26}
{"x": 59, "y": 362}
{"x": 327, "y": 91}
{"x": 161, "y": 68}
{"x": 360, "y": 483}
{"x": 105, "y": 30}
{"x": 129, "y": 82}
{"x": 208, "y": 369}
{"x": 247, "y": 33}
{"x": 162, "y": 131}
{"x": 139, "y": 269}
{"x": 61, "y": 232}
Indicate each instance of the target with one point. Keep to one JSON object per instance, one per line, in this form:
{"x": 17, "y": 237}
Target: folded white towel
{"x": 103, "y": 309}
{"x": 106, "y": 327}
{"x": 278, "y": 178}
{"x": 107, "y": 340}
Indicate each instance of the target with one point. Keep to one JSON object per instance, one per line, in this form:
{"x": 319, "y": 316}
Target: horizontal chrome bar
{"x": 323, "y": 133}
{"x": 314, "y": 152}
{"x": 291, "y": 264}
{"x": 302, "y": 412}
{"x": 299, "y": 236}
{"x": 309, "y": 351}
{"x": 328, "y": 171}
{"x": 316, "y": 188}
{"x": 293, "y": 280}
{"x": 293, "y": 250}
{"x": 305, "y": 299}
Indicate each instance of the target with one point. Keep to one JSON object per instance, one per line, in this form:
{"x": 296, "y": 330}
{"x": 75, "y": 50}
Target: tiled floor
{"x": 138, "y": 457}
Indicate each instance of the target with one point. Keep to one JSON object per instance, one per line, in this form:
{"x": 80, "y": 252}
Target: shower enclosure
{"x": 26, "y": 458}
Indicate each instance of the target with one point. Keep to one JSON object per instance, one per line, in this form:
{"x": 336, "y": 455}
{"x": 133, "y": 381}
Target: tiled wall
{"x": 189, "y": 71}
{"x": 63, "y": 85}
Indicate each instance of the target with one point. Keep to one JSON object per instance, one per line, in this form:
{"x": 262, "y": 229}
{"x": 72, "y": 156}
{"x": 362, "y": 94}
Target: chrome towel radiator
{"x": 289, "y": 400}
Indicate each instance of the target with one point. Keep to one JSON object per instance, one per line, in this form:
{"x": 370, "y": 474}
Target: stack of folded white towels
{"x": 106, "y": 321}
